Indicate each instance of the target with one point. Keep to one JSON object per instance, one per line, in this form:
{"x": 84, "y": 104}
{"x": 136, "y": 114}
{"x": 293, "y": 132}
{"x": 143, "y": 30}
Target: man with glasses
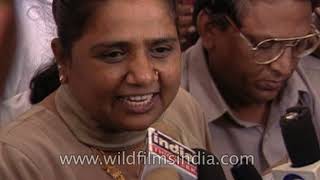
{"x": 246, "y": 70}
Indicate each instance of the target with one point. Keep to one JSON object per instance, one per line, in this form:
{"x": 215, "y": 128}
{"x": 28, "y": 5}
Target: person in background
{"x": 187, "y": 30}
{"x": 7, "y": 40}
{"x": 249, "y": 65}
{"x": 316, "y": 17}
{"x": 35, "y": 29}
{"x": 118, "y": 69}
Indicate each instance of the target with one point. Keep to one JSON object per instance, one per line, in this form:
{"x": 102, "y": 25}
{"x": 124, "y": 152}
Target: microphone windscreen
{"x": 299, "y": 136}
{"x": 207, "y": 170}
{"x": 245, "y": 172}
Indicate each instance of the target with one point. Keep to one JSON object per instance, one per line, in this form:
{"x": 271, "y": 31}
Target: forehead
{"x": 278, "y": 18}
{"x": 124, "y": 20}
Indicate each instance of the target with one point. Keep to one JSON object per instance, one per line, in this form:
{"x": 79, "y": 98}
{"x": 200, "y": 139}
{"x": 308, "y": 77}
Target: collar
{"x": 201, "y": 85}
{"x": 89, "y": 131}
{"x": 203, "y": 88}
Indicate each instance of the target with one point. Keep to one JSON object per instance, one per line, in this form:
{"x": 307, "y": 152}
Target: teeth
{"x": 139, "y": 98}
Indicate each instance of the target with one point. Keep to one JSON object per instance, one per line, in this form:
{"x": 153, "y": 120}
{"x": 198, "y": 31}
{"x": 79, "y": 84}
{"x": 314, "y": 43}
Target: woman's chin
{"x": 137, "y": 122}
{"x": 138, "y": 126}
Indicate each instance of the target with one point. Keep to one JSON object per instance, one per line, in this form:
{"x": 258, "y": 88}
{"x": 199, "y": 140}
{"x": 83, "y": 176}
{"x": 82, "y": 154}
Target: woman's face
{"x": 125, "y": 69}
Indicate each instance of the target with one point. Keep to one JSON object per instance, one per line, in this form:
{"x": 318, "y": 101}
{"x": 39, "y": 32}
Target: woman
{"x": 119, "y": 69}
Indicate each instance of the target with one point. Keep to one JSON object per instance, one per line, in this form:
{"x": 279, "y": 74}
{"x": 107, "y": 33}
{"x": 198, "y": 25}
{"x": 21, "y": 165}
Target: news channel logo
{"x": 292, "y": 177}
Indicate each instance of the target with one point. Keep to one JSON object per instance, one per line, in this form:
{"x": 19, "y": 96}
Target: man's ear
{"x": 206, "y": 29}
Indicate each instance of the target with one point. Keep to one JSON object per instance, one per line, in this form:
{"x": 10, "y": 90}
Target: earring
{"x": 62, "y": 78}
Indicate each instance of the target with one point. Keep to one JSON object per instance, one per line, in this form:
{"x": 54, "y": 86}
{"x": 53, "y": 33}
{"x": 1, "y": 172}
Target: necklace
{"x": 111, "y": 169}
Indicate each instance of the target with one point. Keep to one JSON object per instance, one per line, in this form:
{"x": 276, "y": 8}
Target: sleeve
{"x": 15, "y": 165}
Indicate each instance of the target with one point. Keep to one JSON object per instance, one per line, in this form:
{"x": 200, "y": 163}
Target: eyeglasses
{"x": 270, "y": 50}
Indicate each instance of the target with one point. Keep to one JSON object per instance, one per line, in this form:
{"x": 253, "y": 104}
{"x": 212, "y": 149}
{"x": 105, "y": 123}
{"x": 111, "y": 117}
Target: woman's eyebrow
{"x": 124, "y": 44}
{"x": 109, "y": 45}
{"x": 162, "y": 40}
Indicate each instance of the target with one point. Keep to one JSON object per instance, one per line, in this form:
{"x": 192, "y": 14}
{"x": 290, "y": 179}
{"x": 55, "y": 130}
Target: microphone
{"x": 168, "y": 159}
{"x": 245, "y": 172}
{"x": 208, "y": 171}
{"x": 171, "y": 160}
{"x": 302, "y": 145}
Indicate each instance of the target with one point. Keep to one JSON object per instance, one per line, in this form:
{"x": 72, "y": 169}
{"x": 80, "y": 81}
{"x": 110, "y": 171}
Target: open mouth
{"x": 137, "y": 100}
{"x": 139, "y": 103}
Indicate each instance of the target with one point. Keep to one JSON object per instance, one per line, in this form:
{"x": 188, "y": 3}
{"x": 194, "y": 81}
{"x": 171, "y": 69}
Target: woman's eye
{"x": 161, "y": 51}
{"x": 112, "y": 56}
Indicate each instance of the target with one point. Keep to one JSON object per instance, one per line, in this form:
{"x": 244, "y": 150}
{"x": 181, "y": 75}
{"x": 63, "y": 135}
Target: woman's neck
{"x": 87, "y": 130}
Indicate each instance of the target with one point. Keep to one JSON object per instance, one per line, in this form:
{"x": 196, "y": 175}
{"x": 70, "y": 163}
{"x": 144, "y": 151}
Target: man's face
{"x": 233, "y": 64}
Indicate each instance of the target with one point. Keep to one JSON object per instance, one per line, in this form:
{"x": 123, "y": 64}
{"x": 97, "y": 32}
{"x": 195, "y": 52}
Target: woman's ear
{"x": 61, "y": 60}
{"x": 206, "y": 29}
{"x": 58, "y": 52}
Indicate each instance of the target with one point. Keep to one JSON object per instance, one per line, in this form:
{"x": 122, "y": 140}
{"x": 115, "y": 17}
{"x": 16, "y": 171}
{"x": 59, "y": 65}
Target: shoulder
{"x": 185, "y": 107}
{"x": 185, "y": 103}
{"x": 186, "y": 116}
{"x": 35, "y": 139}
{"x": 14, "y": 164}
{"x": 37, "y": 133}
{"x": 311, "y": 65}
{"x": 311, "y": 68}
{"x": 23, "y": 141}
{"x": 24, "y": 123}
{"x": 28, "y": 124}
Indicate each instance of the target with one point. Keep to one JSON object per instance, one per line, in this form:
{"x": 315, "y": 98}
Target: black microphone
{"x": 206, "y": 170}
{"x": 245, "y": 171}
{"x": 300, "y": 136}
{"x": 302, "y": 146}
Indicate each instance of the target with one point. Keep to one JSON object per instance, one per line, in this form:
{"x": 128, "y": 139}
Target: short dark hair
{"x": 218, "y": 9}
